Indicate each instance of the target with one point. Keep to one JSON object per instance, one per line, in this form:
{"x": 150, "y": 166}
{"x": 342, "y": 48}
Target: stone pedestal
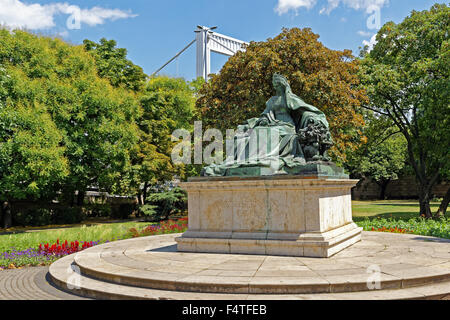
{"x": 276, "y": 215}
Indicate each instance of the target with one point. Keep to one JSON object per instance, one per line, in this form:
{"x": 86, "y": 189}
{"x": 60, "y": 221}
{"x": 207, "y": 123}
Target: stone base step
{"x": 65, "y": 274}
{"x": 402, "y": 266}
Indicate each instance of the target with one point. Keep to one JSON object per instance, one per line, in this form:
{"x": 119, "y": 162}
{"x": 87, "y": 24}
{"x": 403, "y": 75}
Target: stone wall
{"x": 403, "y": 188}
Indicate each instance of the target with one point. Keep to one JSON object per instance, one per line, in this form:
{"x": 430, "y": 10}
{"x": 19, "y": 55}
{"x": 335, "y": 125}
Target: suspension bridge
{"x": 208, "y": 41}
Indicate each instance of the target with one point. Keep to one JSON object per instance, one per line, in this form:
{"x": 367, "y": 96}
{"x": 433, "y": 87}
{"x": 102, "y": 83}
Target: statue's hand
{"x": 263, "y": 122}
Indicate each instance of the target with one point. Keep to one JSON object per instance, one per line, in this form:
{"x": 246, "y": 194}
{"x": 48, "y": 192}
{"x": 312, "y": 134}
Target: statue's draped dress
{"x": 272, "y": 143}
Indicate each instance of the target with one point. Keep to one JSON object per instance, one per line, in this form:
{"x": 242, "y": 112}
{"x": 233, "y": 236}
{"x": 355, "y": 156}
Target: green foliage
{"x": 425, "y": 227}
{"x": 33, "y": 217}
{"x": 167, "y": 104}
{"x": 149, "y": 211}
{"x": 112, "y": 64}
{"x": 68, "y": 215}
{"x": 384, "y": 156}
{"x": 123, "y": 211}
{"x": 36, "y": 217}
{"x": 406, "y": 76}
{"x": 168, "y": 202}
{"x": 386, "y": 160}
{"x": 98, "y": 210}
{"x": 31, "y": 153}
{"x": 62, "y": 127}
{"x": 4, "y": 78}
{"x": 323, "y": 77}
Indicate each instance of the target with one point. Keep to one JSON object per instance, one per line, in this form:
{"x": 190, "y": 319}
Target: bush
{"x": 68, "y": 215}
{"x": 168, "y": 202}
{"x": 425, "y": 227}
{"x": 149, "y": 212}
{"x": 123, "y": 211}
{"x": 34, "y": 217}
{"x": 98, "y": 210}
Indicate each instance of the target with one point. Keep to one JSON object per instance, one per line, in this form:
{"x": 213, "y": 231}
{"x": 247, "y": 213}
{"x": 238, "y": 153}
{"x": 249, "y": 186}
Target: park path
{"x": 30, "y": 284}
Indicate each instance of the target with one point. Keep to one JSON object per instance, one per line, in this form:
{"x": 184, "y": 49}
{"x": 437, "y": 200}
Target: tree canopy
{"x": 62, "y": 126}
{"x": 112, "y": 63}
{"x": 406, "y": 76}
{"x": 323, "y": 77}
{"x": 167, "y": 104}
{"x": 383, "y": 157}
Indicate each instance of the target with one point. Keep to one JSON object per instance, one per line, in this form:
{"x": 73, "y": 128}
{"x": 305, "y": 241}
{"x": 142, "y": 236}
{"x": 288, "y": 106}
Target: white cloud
{"x": 354, "y": 4}
{"x": 285, "y": 5}
{"x": 371, "y": 43}
{"x": 365, "y": 33}
{"x": 16, "y": 14}
{"x": 332, "y": 4}
{"x": 93, "y": 16}
{"x": 34, "y": 16}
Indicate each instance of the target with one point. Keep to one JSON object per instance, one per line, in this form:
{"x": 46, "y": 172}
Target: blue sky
{"x": 153, "y": 31}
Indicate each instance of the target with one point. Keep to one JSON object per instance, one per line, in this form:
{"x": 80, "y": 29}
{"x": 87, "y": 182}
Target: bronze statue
{"x": 301, "y": 134}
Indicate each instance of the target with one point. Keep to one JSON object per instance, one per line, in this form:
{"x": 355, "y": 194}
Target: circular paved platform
{"x": 30, "y": 283}
{"x": 404, "y": 266}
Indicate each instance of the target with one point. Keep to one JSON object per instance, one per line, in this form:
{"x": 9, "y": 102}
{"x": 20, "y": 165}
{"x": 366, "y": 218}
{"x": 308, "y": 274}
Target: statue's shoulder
{"x": 271, "y": 101}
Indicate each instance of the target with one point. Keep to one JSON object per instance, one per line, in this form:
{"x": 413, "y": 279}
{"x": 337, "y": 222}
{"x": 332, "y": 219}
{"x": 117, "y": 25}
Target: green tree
{"x": 323, "y": 77}
{"x": 31, "y": 152}
{"x": 166, "y": 202}
{"x": 406, "y": 76}
{"x": 383, "y": 157}
{"x": 66, "y": 109}
{"x": 112, "y": 63}
{"x": 442, "y": 210}
{"x": 167, "y": 104}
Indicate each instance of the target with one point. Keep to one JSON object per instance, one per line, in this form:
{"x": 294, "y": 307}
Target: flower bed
{"x": 46, "y": 253}
{"x": 43, "y": 255}
{"x": 393, "y": 230}
{"x": 62, "y": 249}
{"x": 163, "y": 227}
{"x": 420, "y": 226}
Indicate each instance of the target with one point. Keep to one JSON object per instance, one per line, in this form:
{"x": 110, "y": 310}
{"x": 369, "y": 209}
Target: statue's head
{"x": 279, "y": 81}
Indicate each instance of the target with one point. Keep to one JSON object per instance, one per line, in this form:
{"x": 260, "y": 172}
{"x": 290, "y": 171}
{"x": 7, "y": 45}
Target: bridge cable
{"x": 176, "y": 56}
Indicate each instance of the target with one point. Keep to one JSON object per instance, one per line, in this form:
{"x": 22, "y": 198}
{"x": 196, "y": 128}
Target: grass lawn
{"x": 24, "y": 238}
{"x": 399, "y": 217}
{"x": 18, "y": 246}
{"x": 395, "y": 209}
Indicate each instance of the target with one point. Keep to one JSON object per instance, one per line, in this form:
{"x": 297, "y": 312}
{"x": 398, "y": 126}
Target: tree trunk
{"x": 139, "y": 198}
{"x": 145, "y": 192}
{"x": 72, "y": 198}
{"x": 383, "y": 186}
{"x": 80, "y": 198}
{"x": 7, "y": 217}
{"x": 424, "y": 200}
{"x": 444, "y": 204}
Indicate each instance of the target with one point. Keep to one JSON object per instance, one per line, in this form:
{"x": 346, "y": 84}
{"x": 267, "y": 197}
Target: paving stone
{"x": 30, "y": 284}
{"x": 151, "y": 262}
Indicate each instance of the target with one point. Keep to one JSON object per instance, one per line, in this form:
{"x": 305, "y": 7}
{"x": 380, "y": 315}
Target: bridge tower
{"x": 208, "y": 41}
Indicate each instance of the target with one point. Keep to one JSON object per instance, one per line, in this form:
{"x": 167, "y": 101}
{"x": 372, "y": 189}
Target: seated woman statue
{"x": 287, "y": 134}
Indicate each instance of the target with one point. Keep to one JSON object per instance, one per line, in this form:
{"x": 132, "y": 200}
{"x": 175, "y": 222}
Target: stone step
{"x": 65, "y": 274}
{"x": 154, "y": 263}
{"x": 153, "y": 266}
{"x": 94, "y": 267}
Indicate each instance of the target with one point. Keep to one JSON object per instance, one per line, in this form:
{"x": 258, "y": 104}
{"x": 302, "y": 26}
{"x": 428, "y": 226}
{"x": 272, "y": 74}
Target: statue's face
{"x": 277, "y": 84}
